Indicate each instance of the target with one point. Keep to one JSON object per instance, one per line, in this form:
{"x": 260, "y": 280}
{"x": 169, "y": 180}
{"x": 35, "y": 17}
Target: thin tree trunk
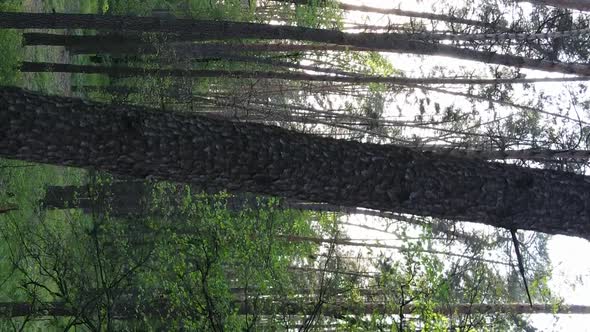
{"x": 22, "y": 309}
{"x": 5, "y": 208}
{"x": 345, "y": 242}
{"x": 540, "y": 155}
{"x": 283, "y": 64}
{"x": 500, "y": 36}
{"x": 582, "y": 5}
{"x": 141, "y": 142}
{"x": 126, "y": 311}
{"x": 339, "y": 309}
{"x": 501, "y": 102}
{"x": 498, "y": 29}
{"x": 119, "y": 71}
{"x": 129, "y": 44}
{"x": 387, "y": 42}
{"x": 400, "y": 12}
{"x": 438, "y": 228}
{"x": 129, "y": 198}
{"x": 120, "y": 199}
{"x": 111, "y": 43}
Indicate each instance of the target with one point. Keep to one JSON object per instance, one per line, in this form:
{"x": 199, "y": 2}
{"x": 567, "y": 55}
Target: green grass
{"x": 11, "y": 50}
{"x": 10, "y": 56}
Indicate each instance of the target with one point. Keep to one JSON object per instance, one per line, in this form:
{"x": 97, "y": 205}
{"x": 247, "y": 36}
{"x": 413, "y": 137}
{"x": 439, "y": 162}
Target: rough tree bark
{"x": 208, "y": 30}
{"x": 268, "y": 160}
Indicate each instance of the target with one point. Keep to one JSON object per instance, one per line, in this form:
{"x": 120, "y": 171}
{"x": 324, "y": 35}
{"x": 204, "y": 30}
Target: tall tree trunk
{"x": 430, "y": 16}
{"x": 440, "y": 227}
{"x": 339, "y": 309}
{"x": 129, "y": 44}
{"x": 247, "y": 157}
{"x": 111, "y": 43}
{"x": 350, "y": 243}
{"x": 121, "y": 310}
{"x": 500, "y": 36}
{"x": 120, "y": 71}
{"x": 126, "y": 311}
{"x": 120, "y": 199}
{"x": 583, "y": 5}
{"x": 126, "y": 198}
{"x": 129, "y": 198}
{"x": 387, "y": 42}
{"x": 502, "y": 102}
{"x": 22, "y": 309}
{"x": 399, "y": 12}
{"x": 540, "y": 155}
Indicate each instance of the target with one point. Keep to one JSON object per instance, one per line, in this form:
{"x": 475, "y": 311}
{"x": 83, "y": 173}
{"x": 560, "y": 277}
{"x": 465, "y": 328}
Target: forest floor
{"x": 59, "y": 83}
{"x": 55, "y": 83}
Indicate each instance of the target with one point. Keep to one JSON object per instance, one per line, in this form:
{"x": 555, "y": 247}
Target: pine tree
{"x": 140, "y": 142}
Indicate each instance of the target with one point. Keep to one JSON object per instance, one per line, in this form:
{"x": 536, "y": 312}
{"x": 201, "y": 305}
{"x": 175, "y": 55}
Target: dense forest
{"x": 291, "y": 165}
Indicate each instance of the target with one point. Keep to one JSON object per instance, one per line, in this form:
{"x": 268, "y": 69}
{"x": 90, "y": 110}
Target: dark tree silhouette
{"x": 219, "y": 30}
{"x": 121, "y": 71}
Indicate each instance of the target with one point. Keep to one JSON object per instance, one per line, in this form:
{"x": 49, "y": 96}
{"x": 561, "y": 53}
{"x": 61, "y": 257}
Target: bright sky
{"x": 571, "y": 266}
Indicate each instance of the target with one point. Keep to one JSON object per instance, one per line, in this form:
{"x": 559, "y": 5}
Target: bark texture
{"x": 209, "y": 30}
{"x": 247, "y": 157}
